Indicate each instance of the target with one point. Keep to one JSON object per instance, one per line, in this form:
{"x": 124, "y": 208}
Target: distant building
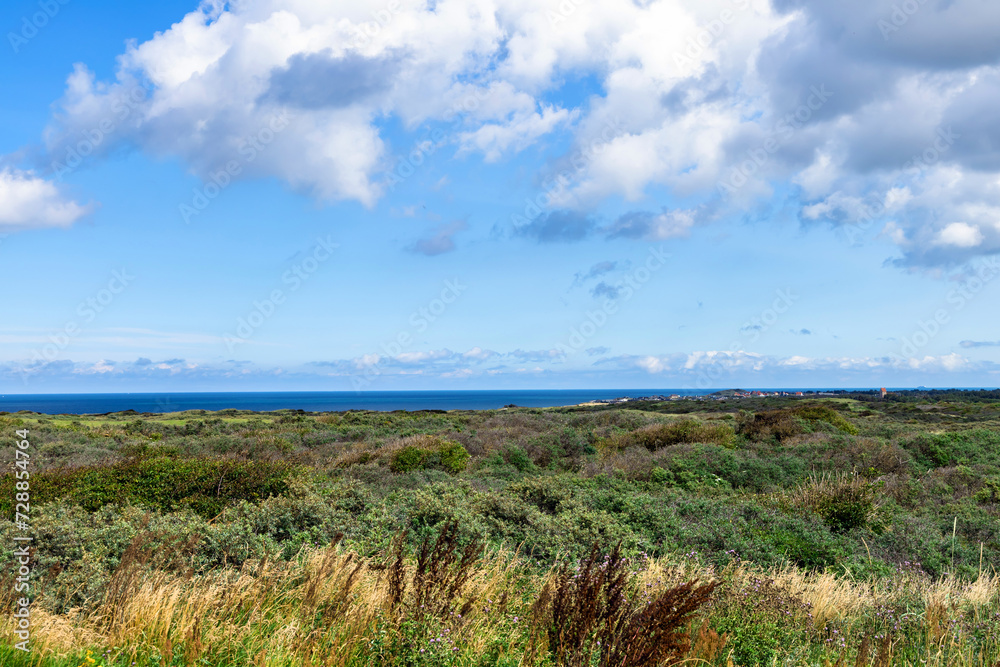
{"x": 884, "y": 392}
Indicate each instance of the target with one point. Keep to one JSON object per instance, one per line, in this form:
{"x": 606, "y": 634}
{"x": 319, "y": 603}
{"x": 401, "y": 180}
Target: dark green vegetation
{"x": 854, "y": 485}
{"x": 803, "y": 483}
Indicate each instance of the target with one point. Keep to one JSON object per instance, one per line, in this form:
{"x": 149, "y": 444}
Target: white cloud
{"x": 960, "y": 234}
{"x": 495, "y": 140}
{"x": 687, "y": 95}
{"x": 721, "y": 363}
{"x": 479, "y": 354}
{"x": 27, "y": 201}
{"x": 423, "y": 357}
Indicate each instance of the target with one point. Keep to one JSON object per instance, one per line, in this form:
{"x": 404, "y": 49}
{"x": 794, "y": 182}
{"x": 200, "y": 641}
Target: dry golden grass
{"x": 319, "y": 610}
{"x": 328, "y": 606}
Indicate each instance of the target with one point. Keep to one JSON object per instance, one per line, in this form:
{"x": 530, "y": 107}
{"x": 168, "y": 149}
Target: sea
{"x": 327, "y": 401}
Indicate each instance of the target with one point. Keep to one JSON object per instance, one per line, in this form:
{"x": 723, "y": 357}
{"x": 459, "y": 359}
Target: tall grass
{"x": 451, "y": 602}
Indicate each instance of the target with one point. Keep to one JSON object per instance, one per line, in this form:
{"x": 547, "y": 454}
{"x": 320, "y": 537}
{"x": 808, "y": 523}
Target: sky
{"x": 478, "y": 194}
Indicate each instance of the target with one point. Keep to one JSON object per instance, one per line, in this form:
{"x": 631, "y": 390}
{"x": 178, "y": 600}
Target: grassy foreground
{"x": 779, "y": 531}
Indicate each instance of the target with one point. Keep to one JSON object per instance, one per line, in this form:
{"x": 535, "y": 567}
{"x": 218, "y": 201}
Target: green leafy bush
{"x": 845, "y": 502}
{"x": 205, "y": 485}
{"x": 430, "y": 453}
{"x": 657, "y": 436}
{"x": 826, "y": 414}
{"x": 408, "y": 458}
{"x": 767, "y": 424}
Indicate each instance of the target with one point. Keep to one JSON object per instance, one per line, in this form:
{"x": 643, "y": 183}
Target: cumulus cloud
{"x": 871, "y": 118}
{"x": 557, "y": 226}
{"x": 605, "y": 290}
{"x": 650, "y": 226}
{"x": 441, "y": 241}
{"x": 220, "y": 75}
{"x": 479, "y": 354}
{"x": 906, "y": 116}
{"x": 695, "y": 369}
{"x": 27, "y": 201}
{"x": 597, "y": 270}
{"x": 537, "y": 355}
{"x": 980, "y": 343}
{"x": 325, "y": 81}
{"x": 718, "y": 364}
{"x": 495, "y": 140}
{"x": 960, "y": 234}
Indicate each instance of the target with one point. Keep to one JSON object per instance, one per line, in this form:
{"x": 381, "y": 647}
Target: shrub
{"x": 454, "y": 457}
{"x": 767, "y": 424}
{"x": 845, "y": 502}
{"x": 826, "y": 414}
{"x": 657, "y": 436}
{"x": 784, "y": 423}
{"x": 430, "y": 453}
{"x": 981, "y": 446}
{"x": 205, "y": 485}
{"x": 407, "y": 459}
{"x": 518, "y": 458}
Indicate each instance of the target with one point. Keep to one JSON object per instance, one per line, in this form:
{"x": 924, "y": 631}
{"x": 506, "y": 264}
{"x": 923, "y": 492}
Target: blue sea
{"x": 323, "y": 401}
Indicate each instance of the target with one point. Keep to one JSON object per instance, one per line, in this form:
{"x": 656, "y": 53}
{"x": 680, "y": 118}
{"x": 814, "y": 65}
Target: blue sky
{"x": 406, "y": 195}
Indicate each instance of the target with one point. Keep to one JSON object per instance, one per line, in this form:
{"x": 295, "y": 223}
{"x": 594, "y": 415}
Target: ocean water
{"x": 324, "y": 401}
{"x": 316, "y": 401}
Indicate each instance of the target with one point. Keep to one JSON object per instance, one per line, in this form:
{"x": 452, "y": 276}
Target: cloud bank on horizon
{"x": 872, "y": 118}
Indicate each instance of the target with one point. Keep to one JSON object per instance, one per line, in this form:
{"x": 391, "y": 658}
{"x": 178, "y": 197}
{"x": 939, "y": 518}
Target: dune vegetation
{"x": 779, "y": 531}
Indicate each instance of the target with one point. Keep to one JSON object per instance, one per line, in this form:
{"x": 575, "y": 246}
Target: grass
{"x": 761, "y": 531}
{"x": 330, "y": 606}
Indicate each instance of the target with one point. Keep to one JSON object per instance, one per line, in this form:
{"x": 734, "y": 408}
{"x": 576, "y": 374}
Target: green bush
{"x": 204, "y": 485}
{"x": 430, "y": 453}
{"x": 845, "y": 502}
{"x": 407, "y": 459}
{"x": 767, "y": 424}
{"x": 453, "y": 456}
{"x": 826, "y": 414}
{"x": 657, "y": 436}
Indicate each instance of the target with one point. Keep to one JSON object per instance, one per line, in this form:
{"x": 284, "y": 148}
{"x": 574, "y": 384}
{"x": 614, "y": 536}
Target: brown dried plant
{"x": 592, "y": 608}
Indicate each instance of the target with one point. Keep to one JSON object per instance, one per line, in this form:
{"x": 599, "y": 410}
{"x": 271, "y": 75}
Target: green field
{"x": 746, "y": 532}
